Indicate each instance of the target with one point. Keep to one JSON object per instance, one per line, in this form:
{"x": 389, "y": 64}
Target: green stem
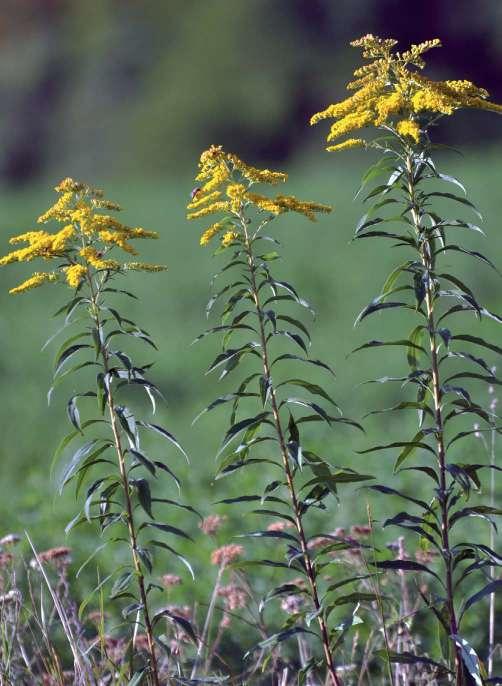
{"x": 309, "y": 566}
{"x": 131, "y": 528}
{"x": 426, "y": 256}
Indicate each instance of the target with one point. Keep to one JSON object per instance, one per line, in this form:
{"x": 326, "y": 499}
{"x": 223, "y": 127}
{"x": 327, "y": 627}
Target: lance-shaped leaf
{"x": 233, "y": 355}
{"x": 316, "y": 363}
{"x": 72, "y": 409}
{"x": 315, "y": 389}
{"x": 279, "y": 637}
{"x": 469, "y": 658}
{"x": 239, "y": 427}
{"x": 410, "y": 659}
{"x": 376, "y": 306}
{"x": 165, "y": 434}
{"x": 168, "y": 529}
{"x": 487, "y": 590}
{"x": 66, "y": 354}
{"x": 405, "y": 566}
{"x": 296, "y": 338}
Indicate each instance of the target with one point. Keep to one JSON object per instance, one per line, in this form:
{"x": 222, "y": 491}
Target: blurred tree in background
{"x": 132, "y": 88}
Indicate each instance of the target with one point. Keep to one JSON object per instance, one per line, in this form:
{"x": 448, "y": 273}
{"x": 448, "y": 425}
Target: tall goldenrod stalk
{"x": 95, "y": 310}
{"x": 295, "y": 504}
{"x": 427, "y": 258}
{"x": 393, "y": 96}
{"x": 254, "y": 307}
{"x": 83, "y": 252}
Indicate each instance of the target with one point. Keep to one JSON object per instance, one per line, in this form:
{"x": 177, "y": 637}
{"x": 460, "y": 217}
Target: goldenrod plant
{"x": 265, "y": 425}
{"x": 84, "y": 253}
{"x": 393, "y": 98}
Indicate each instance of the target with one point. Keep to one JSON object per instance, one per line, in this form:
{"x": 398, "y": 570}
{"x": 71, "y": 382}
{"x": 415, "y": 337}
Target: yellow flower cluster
{"x": 74, "y": 274}
{"x": 390, "y": 91}
{"x": 83, "y": 242}
{"x": 406, "y": 127}
{"x": 36, "y": 280}
{"x": 224, "y": 175}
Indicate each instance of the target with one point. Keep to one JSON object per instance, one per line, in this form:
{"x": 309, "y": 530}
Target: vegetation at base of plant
{"x": 405, "y": 208}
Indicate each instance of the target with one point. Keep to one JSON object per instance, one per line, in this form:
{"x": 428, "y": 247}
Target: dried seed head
{"x": 169, "y": 580}
{"x": 6, "y": 559}
{"x": 225, "y": 621}
{"x": 292, "y": 604}
{"x": 184, "y": 611}
{"x": 360, "y": 530}
{"x": 235, "y": 596}
{"x": 13, "y": 597}
{"x": 10, "y": 539}
{"x": 319, "y": 542}
{"x": 211, "y": 524}
{"x": 60, "y": 556}
{"x": 96, "y": 617}
{"x": 425, "y": 556}
{"x": 279, "y": 526}
{"x": 115, "y": 648}
{"x": 226, "y": 554}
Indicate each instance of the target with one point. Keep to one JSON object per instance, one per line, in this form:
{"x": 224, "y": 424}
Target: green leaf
{"x": 469, "y": 658}
{"x": 317, "y": 363}
{"x": 144, "y": 495}
{"x": 62, "y": 358}
{"x": 409, "y": 659}
{"x": 377, "y": 306}
{"x": 279, "y": 637}
{"x": 239, "y": 427}
{"x": 314, "y": 406}
{"x": 410, "y": 448}
{"x": 356, "y": 597}
{"x": 404, "y": 566}
{"x": 168, "y": 529}
{"x": 415, "y": 339}
{"x": 270, "y": 534}
{"x": 489, "y": 589}
{"x": 72, "y": 409}
{"x": 315, "y": 389}
{"x": 137, "y": 677}
{"x": 78, "y": 457}
{"x": 455, "y": 198}
{"x": 121, "y": 584}
{"x": 143, "y": 459}
{"x": 477, "y": 341}
{"x": 392, "y": 491}
{"x": 296, "y": 338}
{"x": 165, "y": 434}
{"x": 183, "y": 560}
{"x": 176, "y": 619}
{"x": 472, "y": 253}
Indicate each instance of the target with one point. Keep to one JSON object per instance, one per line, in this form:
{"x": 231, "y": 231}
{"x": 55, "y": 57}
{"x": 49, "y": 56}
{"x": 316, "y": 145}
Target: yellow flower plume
{"x": 390, "y": 91}
{"x": 83, "y": 241}
{"x": 224, "y": 175}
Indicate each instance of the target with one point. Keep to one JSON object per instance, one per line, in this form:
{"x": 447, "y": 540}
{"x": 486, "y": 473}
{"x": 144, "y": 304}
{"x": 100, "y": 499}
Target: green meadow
{"x": 337, "y": 276}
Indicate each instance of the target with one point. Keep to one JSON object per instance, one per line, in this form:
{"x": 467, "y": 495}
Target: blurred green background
{"x": 125, "y": 95}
